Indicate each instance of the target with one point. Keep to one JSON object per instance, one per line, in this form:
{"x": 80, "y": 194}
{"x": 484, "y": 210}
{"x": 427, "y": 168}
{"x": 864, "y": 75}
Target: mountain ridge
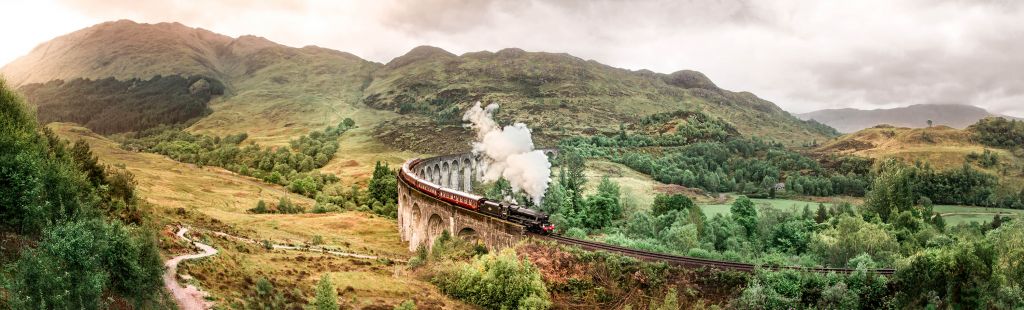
{"x": 849, "y": 120}
{"x": 275, "y": 92}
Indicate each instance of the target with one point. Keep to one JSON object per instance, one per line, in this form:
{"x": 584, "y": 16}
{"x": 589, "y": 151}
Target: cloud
{"x": 802, "y": 55}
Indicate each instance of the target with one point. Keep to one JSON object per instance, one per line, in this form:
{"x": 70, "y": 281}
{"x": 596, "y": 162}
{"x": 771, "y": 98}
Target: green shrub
{"x": 496, "y": 281}
{"x": 406, "y": 305}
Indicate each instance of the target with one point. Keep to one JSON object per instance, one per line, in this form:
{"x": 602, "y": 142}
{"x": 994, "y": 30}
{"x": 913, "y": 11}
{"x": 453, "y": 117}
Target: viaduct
{"x": 422, "y": 217}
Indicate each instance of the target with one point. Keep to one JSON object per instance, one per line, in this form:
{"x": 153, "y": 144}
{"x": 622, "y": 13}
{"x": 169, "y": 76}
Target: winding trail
{"x": 187, "y": 297}
{"x": 191, "y": 298}
{"x": 312, "y": 249}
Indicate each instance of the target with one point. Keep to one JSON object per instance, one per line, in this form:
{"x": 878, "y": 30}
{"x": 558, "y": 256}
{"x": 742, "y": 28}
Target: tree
{"x": 806, "y": 214}
{"x": 744, "y": 213}
{"x": 555, "y": 199}
{"x": 573, "y": 177}
{"x": 664, "y": 203}
{"x": 348, "y": 122}
{"x": 605, "y": 206}
{"x": 326, "y": 296}
{"x": 892, "y": 191}
{"x": 305, "y": 186}
{"x": 822, "y": 215}
{"x": 383, "y": 185}
{"x": 82, "y": 155}
{"x": 929, "y": 123}
{"x": 851, "y": 237}
{"x": 501, "y": 190}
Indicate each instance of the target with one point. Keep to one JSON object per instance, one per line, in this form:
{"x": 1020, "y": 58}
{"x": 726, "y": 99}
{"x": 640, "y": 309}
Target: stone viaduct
{"x": 423, "y": 217}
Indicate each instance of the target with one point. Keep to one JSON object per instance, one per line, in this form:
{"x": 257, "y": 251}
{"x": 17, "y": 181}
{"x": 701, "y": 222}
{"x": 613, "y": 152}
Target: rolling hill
{"x": 942, "y": 147}
{"x": 915, "y": 116}
{"x": 275, "y": 92}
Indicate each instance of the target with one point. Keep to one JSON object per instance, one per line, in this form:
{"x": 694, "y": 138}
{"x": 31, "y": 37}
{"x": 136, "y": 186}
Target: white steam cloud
{"x": 508, "y": 152}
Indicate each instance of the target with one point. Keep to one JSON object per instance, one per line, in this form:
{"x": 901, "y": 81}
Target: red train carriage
{"x": 535, "y": 221}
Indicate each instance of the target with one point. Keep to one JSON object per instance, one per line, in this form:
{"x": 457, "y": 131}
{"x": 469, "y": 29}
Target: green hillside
{"x": 545, "y": 89}
{"x": 275, "y": 93}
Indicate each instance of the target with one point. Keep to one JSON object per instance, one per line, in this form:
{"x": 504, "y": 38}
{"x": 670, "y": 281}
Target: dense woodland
{"x": 112, "y": 106}
{"x": 72, "y": 235}
{"x": 969, "y": 265}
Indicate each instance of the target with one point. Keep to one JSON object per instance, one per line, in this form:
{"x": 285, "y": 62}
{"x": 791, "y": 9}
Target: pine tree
{"x": 822, "y": 214}
{"x": 326, "y": 297}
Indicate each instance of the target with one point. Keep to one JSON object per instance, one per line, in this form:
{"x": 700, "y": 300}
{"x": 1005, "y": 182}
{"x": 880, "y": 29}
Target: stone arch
{"x": 435, "y": 226}
{"x": 468, "y": 233}
{"x": 417, "y": 215}
{"x": 437, "y": 174}
{"x": 430, "y": 174}
{"x": 445, "y": 170}
{"x": 467, "y": 175}
{"x": 453, "y": 176}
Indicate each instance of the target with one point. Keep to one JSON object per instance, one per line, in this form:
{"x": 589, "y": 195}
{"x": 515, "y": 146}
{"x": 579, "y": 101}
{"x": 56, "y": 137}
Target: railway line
{"x": 692, "y": 261}
{"x": 479, "y": 205}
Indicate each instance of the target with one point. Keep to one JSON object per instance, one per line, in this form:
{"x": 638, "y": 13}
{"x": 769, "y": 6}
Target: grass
{"x": 637, "y": 188}
{"x": 955, "y": 215}
{"x": 710, "y": 210}
{"x": 217, "y": 199}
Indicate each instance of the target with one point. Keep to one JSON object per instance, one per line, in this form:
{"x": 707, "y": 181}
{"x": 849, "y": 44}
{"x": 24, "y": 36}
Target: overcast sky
{"x": 802, "y": 55}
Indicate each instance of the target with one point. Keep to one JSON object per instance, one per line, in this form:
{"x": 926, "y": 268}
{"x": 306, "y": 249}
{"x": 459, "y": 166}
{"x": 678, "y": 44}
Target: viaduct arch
{"x": 422, "y": 218}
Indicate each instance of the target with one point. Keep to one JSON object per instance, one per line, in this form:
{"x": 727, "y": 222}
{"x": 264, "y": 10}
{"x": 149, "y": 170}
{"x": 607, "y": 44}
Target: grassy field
{"x": 710, "y": 210}
{"x": 637, "y": 188}
{"x": 965, "y": 214}
{"x": 216, "y": 199}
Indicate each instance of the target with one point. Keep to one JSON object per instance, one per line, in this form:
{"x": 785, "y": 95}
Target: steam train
{"x": 534, "y": 221}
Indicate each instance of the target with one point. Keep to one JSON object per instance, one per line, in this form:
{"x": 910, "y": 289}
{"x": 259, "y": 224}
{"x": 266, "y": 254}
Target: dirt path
{"x": 188, "y": 297}
{"x": 314, "y": 249}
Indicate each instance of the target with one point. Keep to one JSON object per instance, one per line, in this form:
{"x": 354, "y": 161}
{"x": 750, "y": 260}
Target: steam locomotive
{"x": 534, "y": 221}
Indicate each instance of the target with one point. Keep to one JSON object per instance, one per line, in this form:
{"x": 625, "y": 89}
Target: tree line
{"x": 111, "y": 106}
{"x": 293, "y": 166}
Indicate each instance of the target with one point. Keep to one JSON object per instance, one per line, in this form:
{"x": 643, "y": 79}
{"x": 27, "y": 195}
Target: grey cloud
{"x": 803, "y": 55}
{"x": 981, "y": 67}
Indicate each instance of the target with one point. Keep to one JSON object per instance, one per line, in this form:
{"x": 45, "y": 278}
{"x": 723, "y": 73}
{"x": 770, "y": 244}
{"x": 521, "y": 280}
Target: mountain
{"x": 546, "y": 89}
{"x": 915, "y": 116}
{"x": 275, "y": 92}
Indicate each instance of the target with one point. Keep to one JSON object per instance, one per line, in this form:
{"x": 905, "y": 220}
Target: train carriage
{"x": 535, "y": 221}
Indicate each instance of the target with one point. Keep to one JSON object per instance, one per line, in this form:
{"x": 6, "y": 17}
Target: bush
{"x": 261, "y": 208}
{"x": 496, "y": 281}
{"x": 406, "y": 305}
{"x": 78, "y": 262}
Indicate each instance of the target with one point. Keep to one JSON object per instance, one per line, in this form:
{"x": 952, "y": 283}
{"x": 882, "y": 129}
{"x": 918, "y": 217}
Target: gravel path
{"x": 188, "y": 297}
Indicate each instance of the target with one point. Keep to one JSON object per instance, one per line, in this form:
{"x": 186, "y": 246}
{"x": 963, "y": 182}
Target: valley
{"x": 118, "y": 138}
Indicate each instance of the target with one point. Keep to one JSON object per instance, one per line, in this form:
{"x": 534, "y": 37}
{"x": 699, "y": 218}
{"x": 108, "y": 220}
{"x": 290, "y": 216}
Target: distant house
{"x": 780, "y": 187}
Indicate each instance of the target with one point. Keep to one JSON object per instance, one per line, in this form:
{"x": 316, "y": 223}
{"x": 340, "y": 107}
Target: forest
{"x": 968, "y": 265}
{"x": 111, "y": 106}
{"x": 72, "y": 232}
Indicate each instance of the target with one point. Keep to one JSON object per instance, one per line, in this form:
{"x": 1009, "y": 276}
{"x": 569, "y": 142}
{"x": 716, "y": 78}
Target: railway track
{"x": 693, "y": 261}
{"x": 453, "y": 197}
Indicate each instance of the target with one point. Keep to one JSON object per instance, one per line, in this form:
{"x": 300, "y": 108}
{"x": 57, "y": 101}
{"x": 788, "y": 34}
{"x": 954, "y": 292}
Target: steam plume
{"x": 509, "y": 153}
